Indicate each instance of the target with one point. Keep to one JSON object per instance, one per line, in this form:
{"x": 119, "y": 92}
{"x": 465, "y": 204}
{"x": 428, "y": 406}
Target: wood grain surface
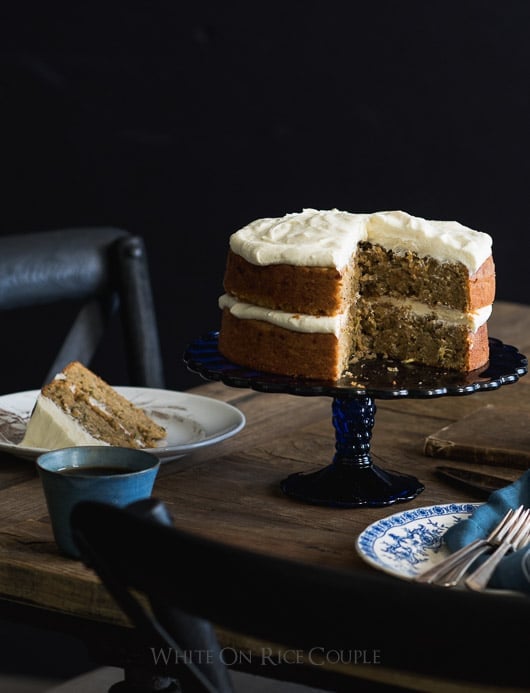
{"x": 230, "y": 491}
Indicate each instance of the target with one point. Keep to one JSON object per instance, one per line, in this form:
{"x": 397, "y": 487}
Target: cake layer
{"x": 392, "y": 330}
{"x": 266, "y": 347}
{"x": 311, "y": 290}
{"x": 386, "y": 273}
{"x": 326, "y": 291}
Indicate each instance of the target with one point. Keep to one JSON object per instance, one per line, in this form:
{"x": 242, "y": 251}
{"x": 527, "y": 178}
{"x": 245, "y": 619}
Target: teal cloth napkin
{"x": 513, "y": 572}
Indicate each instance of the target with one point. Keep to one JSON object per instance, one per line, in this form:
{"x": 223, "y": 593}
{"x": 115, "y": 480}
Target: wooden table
{"x": 230, "y": 491}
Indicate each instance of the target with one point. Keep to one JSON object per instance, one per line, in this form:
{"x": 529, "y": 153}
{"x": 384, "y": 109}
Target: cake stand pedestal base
{"x": 351, "y": 487}
{"x": 352, "y": 480}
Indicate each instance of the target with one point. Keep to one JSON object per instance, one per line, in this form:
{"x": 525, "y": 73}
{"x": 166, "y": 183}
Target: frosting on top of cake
{"x": 446, "y": 241}
{"x": 329, "y": 238}
{"x": 312, "y": 238}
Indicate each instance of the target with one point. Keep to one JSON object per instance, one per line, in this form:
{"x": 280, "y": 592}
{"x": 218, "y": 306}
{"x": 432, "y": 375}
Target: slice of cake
{"x": 309, "y": 293}
{"x": 79, "y": 408}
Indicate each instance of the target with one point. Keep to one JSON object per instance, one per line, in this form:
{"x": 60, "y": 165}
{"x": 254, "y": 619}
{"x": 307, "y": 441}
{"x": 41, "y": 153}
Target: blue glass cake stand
{"x": 352, "y": 479}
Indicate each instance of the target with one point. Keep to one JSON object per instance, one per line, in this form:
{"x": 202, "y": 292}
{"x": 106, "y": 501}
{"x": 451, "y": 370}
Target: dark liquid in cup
{"x": 94, "y": 471}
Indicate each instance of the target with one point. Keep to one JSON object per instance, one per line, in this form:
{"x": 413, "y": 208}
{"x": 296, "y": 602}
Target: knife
{"x": 481, "y": 483}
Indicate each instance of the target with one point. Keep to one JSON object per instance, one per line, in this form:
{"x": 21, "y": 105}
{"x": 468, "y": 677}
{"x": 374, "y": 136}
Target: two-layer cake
{"x": 310, "y": 292}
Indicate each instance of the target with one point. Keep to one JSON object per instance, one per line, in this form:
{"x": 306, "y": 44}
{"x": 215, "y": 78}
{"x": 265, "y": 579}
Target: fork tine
{"x": 452, "y": 577}
{"x": 471, "y": 551}
{"x": 524, "y": 539}
{"x": 505, "y": 524}
{"x": 479, "y": 579}
{"x": 517, "y": 526}
{"x": 523, "y": 535}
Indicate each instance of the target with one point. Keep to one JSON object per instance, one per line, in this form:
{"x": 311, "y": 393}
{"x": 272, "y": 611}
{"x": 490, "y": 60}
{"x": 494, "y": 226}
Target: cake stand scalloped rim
{"x": 506, "y": 365}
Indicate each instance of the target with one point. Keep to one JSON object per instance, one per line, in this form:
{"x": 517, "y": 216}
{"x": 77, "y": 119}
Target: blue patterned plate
{"x": 407, "y": 543}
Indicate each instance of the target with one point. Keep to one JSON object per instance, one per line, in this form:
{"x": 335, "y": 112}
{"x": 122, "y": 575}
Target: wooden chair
{"x": 99, "y": 277}
{"x": 418, "y": 632}
{"x": 102, "y": 270}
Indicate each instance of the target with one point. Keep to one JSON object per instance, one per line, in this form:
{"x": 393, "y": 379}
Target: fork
{"x": 516, "y": 538}
{"x": 454, "y": 576}
{"x": 448, "y": 572}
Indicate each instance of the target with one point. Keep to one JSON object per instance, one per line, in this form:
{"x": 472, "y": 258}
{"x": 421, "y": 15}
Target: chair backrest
{"x": 409, "y": 627}
{"x": 103, "y": 270}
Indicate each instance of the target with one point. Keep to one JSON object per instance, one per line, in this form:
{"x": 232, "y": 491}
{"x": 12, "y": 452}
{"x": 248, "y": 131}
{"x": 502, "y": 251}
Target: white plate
{"x": 191, "y": 421}
{"x": 408, "y": 543}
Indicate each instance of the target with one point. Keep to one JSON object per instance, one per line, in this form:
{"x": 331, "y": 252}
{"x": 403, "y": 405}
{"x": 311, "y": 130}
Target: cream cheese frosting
{"x": 472, "y": 320}
{"x": 297, "y": 322}
{"x": 313, "y": 238}
{"x": 51, "y": 428}
{"x": 329, "y": 238}
{"x": 335, "y": 324}
{"x": 445, "y": 241}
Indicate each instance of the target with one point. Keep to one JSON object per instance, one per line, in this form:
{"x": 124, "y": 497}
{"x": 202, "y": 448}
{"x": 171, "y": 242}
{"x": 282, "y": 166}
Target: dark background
{"x": 185, "y": 121}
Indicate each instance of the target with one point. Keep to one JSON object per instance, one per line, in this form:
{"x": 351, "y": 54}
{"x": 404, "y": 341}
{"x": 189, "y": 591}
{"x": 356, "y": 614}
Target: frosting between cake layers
{"x": 329, "y": 238}
{"x": 296, "y": 322}
{"x": 334, "y": 324}
{"x": 472, "y": 320}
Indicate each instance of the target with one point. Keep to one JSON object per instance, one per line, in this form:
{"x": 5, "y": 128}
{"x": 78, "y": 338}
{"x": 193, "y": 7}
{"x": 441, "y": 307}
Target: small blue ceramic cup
{"x": 101, "y": 473}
